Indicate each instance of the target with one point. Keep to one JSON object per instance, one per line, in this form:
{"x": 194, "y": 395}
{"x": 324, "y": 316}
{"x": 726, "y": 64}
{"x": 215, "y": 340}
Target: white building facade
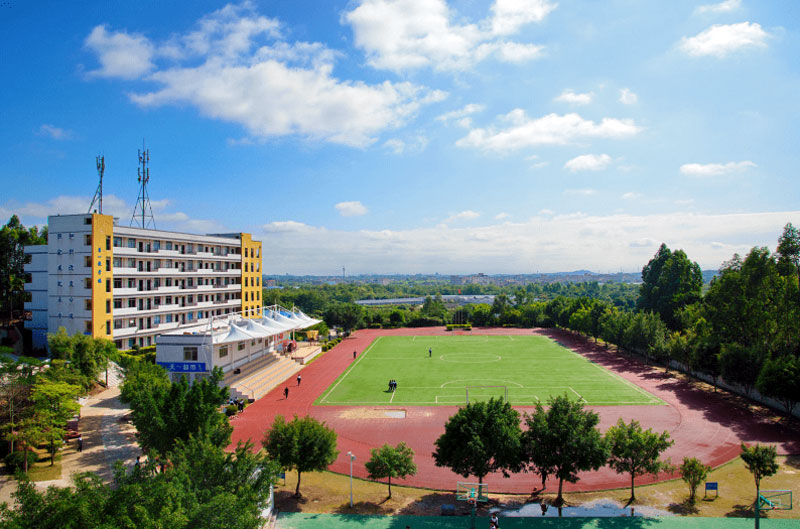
{"x": 131, "y": 284}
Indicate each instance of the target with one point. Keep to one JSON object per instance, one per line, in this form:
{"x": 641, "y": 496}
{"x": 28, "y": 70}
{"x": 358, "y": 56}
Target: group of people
{"x": 239, "y": 403}
{"x": 392, "y": 385}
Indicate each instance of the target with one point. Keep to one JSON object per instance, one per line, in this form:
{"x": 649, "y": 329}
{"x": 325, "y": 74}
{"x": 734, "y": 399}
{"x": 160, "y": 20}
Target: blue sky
{"x": 405, "y": 136}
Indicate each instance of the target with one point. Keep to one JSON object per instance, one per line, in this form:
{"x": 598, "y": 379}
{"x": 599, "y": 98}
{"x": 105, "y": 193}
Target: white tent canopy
{"x": 235, "y": 334}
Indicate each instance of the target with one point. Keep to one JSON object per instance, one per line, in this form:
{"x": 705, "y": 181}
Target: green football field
{"x": 526, "y": 369}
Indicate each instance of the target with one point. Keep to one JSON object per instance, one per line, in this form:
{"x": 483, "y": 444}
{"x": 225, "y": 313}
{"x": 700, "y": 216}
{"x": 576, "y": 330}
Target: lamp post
{"x": 352, "y": 458}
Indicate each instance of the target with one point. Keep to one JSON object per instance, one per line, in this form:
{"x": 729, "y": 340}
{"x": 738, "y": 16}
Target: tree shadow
{"x": 793, "y": 461}
{"x": 286, "y": 501}
{"x": 685, "y": 508}
{"x": 364, "y": 507}
{"x": 742, "y": 511}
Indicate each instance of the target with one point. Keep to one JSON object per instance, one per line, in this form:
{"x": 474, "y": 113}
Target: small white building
{"x": 230, "y": 342}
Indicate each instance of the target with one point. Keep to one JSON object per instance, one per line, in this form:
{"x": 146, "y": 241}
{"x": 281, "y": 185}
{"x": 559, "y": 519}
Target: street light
{"x": 352, "y": 458}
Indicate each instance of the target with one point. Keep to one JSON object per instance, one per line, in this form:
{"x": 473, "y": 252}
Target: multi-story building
{"x": 131, "y": 284}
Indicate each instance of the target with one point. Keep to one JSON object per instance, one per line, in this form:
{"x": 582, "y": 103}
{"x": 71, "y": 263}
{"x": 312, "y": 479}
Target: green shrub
{"x": 16, "y": 460}
{"x": 231, "y": 409}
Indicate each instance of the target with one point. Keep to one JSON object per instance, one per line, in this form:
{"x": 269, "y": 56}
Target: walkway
{"x": 105, "y": 440}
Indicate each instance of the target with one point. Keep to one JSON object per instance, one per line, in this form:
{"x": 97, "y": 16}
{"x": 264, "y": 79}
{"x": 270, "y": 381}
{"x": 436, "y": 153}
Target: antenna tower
{"x": 98, "y": 195}
{"x": 143, "y": 211}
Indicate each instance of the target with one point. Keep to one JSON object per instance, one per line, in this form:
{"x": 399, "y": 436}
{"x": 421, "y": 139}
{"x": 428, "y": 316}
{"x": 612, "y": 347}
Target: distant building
{"x": 132, "y": 284}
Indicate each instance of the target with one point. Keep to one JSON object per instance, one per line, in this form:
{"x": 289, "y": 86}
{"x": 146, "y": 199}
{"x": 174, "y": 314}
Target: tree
{"x": 16, "y": 383}
{"x": 13, "y": 239}
{"x": 670, "y": 281}
{"x": 54, "y": 403}
{"x": 693, "y": 472}
{"x": 563, "y": 440}
{"x": 636, "y": 451}
{"x": 761, "y": 461}
{"x": 304, "y": 444}
{"x": 348, "y": 316}
{"x": 89, "y": 356}
{"x": 780, "y": 380}
{"x": 741, "y": 365}
{"x": 164, "y": 413}
{"x": 482, "y": 437}
{"x": 391, "y": 462}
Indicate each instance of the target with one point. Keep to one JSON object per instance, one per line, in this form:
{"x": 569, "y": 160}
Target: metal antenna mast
{"x": 98, "y": 195}
{"x": 143, "y": 208}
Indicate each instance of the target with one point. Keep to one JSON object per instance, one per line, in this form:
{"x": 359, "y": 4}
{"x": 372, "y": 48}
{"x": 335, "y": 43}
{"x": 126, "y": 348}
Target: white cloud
{"x": 627, "y": 97}
{"x": 546, "y": 212}
{"x": 407, "y": 34}
{"x": 467, "y": 110}
{"x": 584, "y": 192}
{"x": 351, "y": 209}
{"x": 463, "y": 215}
{"x": 720, "y": 40}
{"x": 726, "y": 6}
{"x": 552, "y": 129}
{"x": 588, "y": 162}
{"x": 631, "y": 195}
{"x": 574, "y": 98}
{"x": 54, "y": 132}
{"x": 397, "y": 146}
{"x": 546, "y": 242}
{"x": 120, "y": 54}
{"x": 715, "y": 169}
{"x": 501, "y": 216}
{"x": 235, "y": 68}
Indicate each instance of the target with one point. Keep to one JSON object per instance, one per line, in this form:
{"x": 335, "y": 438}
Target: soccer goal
{"x": 483, "y": 393}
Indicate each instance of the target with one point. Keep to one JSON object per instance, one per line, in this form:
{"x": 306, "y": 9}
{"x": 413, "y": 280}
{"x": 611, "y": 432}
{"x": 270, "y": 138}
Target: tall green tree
{"x": 635, "y": 451}
{"x": 391, "y": 462}
{"x": 164, "y": 414}
{"x": 303, "y": 444}
{"x": 670, "y": 281}
{"x": 693, "y": 472}
{"x": 563, "y": 441}
{"x": 54, "y": 403}
{"x": 761, "y": 461}
{"x": 482, "y": 437}
{"x": 13, "y": 239}
{"x": 88, "y": 356}
{"x": 780, "y": 379}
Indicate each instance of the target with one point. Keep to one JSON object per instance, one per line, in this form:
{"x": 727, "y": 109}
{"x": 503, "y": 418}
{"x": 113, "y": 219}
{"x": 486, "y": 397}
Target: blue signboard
{"x": 184, "y": 367}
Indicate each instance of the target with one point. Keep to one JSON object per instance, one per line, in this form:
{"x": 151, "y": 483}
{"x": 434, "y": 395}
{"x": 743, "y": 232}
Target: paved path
{"x": 105, "y": 440}
{"x": 706, "y": 425}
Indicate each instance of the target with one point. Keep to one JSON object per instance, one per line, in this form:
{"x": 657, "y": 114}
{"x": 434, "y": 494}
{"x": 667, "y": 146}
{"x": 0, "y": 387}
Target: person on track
{"x": 286, "y": 392}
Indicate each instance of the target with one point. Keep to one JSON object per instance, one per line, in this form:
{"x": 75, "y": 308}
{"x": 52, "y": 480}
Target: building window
{"x": 118, "y": 324}
{"x": 190, "y": 354}
{"x": 87, "y": 304}
{"x": 108, "y": 326}
{"x": 88, "y": 327}
{"x": 169, "y": 245}
{"x": 108, "y": 285}
{"x": 108, "y": 242}
{"x": 157, "y": 320}
{"x": 108, "y": 265}
{"x": 131, "y": 303}
{"x": 131, "y": 243}
{"x": 108, "y": 306}
{"x": 168, "y": 318}
{"x": 118, "y": 242}
{"x": 223, "y": 351}
{"x": 117, "y": 303}
{"x": 240, "y": 347}
{"x": 87, "y": 240}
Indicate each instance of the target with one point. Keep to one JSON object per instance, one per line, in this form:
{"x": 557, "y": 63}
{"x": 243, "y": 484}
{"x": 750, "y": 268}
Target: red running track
{"x": 702, "y": 424}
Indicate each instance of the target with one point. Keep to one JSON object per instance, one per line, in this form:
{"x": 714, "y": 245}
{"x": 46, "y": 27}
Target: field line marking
{"x": 393, "y": 394}
{"x": 611, "y": 374}
{"x": 580, "y": 397}
{"x": 352, "y": 366}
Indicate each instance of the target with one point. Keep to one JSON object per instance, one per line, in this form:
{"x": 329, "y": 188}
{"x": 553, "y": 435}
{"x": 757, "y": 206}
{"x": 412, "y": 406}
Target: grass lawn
{"x": 531, "y": 368}
{"x": 328, "y": 493}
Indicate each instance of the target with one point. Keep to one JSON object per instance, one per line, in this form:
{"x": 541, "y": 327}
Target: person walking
{"x": 430, "y": 352}
{"x": 80, "y": 443}
{"x": 354, "y": 355}
{"x": 286, "y": 392}
{"x": 299, "y": 378}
